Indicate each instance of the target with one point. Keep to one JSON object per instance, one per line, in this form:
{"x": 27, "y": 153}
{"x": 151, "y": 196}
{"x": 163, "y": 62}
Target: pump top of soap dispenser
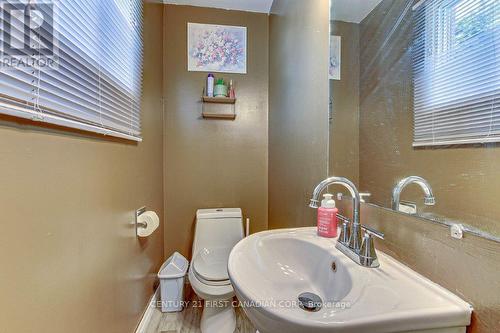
{"x": 328, "y": 201}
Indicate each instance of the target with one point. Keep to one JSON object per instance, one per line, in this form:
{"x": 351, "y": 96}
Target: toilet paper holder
{"x": 138, "y": 224}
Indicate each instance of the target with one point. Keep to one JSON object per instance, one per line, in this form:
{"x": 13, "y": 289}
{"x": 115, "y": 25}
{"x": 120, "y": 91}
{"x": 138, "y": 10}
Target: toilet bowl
{"x": 217, "y": 231}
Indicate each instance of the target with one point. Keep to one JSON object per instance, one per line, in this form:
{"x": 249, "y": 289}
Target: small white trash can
{"x": 171, "y": 276}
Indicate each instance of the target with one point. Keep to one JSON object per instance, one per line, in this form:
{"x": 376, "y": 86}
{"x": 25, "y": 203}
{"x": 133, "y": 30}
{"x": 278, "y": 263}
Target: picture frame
{"x": 216, "y": 48}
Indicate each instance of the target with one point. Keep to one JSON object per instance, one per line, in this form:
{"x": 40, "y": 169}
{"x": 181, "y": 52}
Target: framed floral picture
{"x": 217, "y": 48}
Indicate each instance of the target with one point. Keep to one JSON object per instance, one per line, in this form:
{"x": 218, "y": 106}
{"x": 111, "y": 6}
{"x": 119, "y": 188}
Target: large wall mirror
{"x": 415, "y": 91}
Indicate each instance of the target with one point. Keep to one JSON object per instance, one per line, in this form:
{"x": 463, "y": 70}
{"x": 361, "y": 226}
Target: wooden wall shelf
{"x": 220, "y": 100}
{"x": 229, "y": 116}
{"x": 210, "y": 109}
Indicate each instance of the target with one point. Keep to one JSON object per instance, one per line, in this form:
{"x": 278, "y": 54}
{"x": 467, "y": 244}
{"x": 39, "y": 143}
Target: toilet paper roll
{"x": 151, "y": 222}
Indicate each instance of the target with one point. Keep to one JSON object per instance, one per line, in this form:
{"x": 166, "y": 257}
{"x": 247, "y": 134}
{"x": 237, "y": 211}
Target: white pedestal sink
{"x": 269, "y": 270}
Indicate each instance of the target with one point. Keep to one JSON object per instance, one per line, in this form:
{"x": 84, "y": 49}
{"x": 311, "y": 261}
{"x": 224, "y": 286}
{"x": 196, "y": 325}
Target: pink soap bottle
{"x": 327, "y": 217}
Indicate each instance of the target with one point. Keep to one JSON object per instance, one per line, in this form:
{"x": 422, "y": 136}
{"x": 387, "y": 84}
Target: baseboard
{"x": 148, "y": 313}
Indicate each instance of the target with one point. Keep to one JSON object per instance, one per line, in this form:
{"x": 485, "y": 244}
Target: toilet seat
{"x": 210, "y": 266}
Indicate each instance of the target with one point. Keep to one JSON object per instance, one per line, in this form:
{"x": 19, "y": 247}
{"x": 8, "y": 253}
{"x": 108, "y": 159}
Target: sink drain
{"x": 310, "y": 302}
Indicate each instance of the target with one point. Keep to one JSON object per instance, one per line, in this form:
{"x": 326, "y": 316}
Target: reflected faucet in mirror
{"x": 429, "y": 199}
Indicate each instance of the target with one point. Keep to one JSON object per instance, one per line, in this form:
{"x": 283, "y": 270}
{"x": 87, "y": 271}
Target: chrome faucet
{"x": 350, "y": 242}
{"x": 355, "y": 236}
{"x": 429, "y": 198}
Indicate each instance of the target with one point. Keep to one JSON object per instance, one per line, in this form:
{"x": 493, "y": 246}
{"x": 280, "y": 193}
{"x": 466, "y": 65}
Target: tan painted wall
{"x": 70, "y": 259}
{"x": 344, "y": 125}
{"x": 298, "y": 108}
{"x": 468, "y": 267}
{"x": 466, "y": 180}
{"x": 213, "y": 163}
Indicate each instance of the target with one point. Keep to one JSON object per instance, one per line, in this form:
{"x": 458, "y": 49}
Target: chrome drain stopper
{"x": 310, "y": 302}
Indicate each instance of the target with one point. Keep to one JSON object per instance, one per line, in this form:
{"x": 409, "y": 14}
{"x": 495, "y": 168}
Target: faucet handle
{"x": 343, "y": 218}
{"x": 344, "y": 233}
{"x": 373, "y": 232}
{"x": 367, "y": 253}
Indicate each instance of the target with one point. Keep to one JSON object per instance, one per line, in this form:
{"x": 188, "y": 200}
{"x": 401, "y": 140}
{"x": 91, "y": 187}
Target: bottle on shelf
{"x": 210, "y": 85}
{"x": 220, "y": 89}
{"x": 231, "y": 93}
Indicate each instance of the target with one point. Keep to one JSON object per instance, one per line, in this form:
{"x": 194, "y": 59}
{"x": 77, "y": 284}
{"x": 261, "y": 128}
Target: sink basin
{"x": 270, "y": 269}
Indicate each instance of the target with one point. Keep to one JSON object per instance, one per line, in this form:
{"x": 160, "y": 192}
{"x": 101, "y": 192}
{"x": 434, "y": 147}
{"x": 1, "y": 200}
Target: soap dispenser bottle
{"x": 327, "y": 217}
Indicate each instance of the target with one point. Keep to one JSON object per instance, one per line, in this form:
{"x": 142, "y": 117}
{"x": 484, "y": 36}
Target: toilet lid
{"x": 211, "y": 263}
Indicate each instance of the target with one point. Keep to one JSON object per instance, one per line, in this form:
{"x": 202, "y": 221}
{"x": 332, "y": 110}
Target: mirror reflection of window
{"x": 419, "y": 95}
{"x": 456, "y": 72}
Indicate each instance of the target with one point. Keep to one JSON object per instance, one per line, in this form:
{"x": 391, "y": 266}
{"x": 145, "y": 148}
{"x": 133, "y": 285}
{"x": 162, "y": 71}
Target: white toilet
{"x": 217, "y": 231}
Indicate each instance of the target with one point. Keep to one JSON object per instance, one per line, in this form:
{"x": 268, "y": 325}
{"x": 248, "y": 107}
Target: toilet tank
{"x": 217, "y": 227}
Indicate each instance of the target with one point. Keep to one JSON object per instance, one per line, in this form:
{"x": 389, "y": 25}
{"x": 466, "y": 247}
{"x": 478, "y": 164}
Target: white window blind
{"x": 94, "y": 83}
{"x": 456, "y": 72}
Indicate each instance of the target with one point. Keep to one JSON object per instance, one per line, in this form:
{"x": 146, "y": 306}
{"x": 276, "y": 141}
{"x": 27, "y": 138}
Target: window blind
{"x": 456, "y": 72}
{"x": 95, "y": 52}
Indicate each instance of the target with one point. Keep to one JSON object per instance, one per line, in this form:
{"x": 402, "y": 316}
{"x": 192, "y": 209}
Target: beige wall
{"x": 298, "y": 108}
{"x": 213, "y": 163}
{"x": 468, "y": 267}
{"x": 70, "y": 259}
{"x": 344, "y": 94}
{"x": 465, "y": 179}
